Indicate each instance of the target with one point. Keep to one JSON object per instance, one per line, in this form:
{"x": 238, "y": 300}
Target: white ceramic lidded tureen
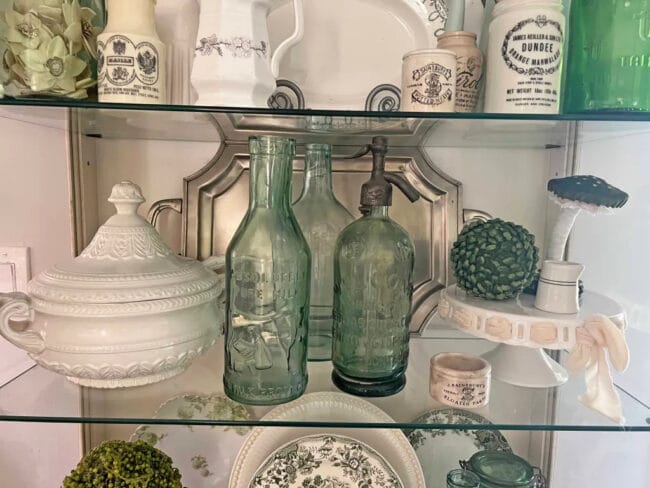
{"x": 126, "y": 312}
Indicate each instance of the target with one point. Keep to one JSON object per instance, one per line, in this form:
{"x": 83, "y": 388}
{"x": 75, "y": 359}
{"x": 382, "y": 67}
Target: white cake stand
{"x": 523, "y": 332}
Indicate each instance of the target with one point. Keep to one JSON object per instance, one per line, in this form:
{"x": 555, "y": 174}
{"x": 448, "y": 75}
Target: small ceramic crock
{"x": 460, "y": 380}
{"x": 126, "y": 312}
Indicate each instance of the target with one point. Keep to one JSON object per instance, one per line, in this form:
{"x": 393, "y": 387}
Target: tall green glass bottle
{"x": 322, "y": 218}
{"x": 608, "y": 64}
{"x": 373, "y": 287}
{"x": 267, "y": 281}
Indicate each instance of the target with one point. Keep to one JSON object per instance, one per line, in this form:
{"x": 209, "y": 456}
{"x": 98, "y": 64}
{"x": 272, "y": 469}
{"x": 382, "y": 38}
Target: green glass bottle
{"x": 373, "y": 287}
{"x": 322, "y": 218}
{"x": 267, "y": 281}
{"x": 608, "y": 64}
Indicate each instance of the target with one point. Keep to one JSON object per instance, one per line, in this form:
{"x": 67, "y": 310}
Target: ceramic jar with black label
{"x": 525, "y": 53}
{"x": 429, "y": 81}
{"x": 469, "y": 67}
{"x": 131, "y": 58}
{"x": 460, "y": 380}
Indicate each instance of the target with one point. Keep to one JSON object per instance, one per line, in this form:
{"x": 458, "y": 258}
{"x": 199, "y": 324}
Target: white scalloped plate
{"x": 327, "y": 407}
{"x": 350, "y": 47}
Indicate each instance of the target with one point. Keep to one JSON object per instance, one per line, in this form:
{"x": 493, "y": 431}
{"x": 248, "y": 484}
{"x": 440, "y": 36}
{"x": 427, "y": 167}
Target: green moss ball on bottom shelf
{"x": 120, "y": 464}
{"x": 495, "y": 260}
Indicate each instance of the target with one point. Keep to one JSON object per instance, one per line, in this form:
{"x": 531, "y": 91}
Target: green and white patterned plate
{"x": 326, "y": 461}
{"x": 204, "y": 455}
{"x": 439, "y": 450}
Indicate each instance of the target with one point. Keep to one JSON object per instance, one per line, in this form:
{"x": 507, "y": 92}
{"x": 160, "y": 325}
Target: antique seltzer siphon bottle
{"x": 268, "y": 267}
{"x": 373, "y": 286}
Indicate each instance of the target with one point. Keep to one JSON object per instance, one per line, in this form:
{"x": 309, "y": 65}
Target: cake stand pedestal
{"x": 523, "y": 332}
{"x": 525, "y": 366}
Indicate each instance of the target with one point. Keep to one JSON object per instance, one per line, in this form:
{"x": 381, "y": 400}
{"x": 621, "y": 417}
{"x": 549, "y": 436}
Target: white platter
{"x": 327, "y": 407}
{"x": 327, "y": 461}
{"x": 204, "y": 455}
{"x": 440, "y": 450}
{"x": 351, "y": 47}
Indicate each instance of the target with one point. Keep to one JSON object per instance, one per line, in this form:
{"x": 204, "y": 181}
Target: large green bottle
{"x": 608, "y": 64}
{"x": 267, "y": 282}
{"x": 322, "y": 218}
{"x": 373, "y": 287}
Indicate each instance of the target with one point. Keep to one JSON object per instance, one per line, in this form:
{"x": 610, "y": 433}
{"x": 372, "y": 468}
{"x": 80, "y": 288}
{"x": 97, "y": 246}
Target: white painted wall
{"x": 615, "y": 250}
{"x": 34, "y": 212}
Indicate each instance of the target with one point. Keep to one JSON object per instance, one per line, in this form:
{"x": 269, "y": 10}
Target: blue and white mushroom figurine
{"x": 575, "y": 194}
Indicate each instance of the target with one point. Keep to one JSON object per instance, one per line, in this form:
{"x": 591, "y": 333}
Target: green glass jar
{"x": 267, "y": 281}
{"x": 462, "y": 478}
{"x": 322, "y": 218}
{"x": 608, "y": 65}
{"x": 500, "y": 469}
{"x": 373, "y": 286}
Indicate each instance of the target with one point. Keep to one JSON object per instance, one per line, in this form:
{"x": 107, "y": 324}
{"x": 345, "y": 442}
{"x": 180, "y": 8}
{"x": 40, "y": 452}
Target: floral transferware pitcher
{"x": 233, "y": 64}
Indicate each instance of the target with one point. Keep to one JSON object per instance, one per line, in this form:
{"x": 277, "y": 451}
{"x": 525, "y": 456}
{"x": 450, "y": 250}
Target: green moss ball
{"x": 494, "y": 260}
{"x": 119, "y": 464}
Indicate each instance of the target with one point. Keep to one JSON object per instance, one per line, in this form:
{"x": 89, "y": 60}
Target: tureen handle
{"x": 16, "y": 307}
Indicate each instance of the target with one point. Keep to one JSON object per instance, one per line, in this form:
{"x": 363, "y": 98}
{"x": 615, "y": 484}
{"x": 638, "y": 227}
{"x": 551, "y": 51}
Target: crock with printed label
{"x": 429, "y": 81}
{"x": 469, "y": 67}
{"x": 525, "y": 54}
{"x": 131, "y": 58}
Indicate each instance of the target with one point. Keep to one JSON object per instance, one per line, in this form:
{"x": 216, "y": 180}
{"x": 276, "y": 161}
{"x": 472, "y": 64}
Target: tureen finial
{"x": 127, "y": 197}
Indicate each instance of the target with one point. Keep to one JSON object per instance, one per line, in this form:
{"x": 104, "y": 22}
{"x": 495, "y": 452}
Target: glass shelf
{"x": 30, "y": 398}
{"x": 210, "y": 124}
{"x": 93, "y": 104}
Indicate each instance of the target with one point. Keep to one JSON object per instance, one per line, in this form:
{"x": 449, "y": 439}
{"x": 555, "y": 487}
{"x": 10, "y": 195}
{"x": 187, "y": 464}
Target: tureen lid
{"x": 126, "y": 262}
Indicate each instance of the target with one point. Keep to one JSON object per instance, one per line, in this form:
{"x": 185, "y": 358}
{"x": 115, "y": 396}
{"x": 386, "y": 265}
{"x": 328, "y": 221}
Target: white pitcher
{"x": 233, "y": 64}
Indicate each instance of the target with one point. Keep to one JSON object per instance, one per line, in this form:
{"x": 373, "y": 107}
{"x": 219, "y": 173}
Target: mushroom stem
{"x": 561, "y": 232}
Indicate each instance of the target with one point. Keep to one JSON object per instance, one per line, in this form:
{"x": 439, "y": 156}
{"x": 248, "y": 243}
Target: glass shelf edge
{"x": 87, "y": 104}
{"x": 287, "y": 424}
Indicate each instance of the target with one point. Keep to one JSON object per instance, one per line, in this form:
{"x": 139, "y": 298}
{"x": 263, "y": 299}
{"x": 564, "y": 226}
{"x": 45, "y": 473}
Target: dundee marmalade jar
{"x": 525, "y": 57}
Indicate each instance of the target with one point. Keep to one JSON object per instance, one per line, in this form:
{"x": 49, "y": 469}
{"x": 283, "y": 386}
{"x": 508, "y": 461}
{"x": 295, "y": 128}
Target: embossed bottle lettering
{"x": 377, "y": 334}
{"x": 639, "y": 59}
{"x": 260, "y": 286}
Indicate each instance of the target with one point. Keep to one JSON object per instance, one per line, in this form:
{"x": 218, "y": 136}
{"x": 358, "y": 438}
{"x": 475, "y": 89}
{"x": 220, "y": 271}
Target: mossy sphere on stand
{"x": 495, "y": 260}
{"x": 122, "y": 464}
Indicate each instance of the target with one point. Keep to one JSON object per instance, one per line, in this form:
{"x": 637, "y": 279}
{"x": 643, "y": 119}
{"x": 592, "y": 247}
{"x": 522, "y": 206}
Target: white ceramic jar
{"x": 126, "y": 312}
{"x": 131, "y": 58}
{"x": 469, "y": 67}
{"x": 429, "y": 81}
{"x": 460, "y": 380}
{"x": 524, "y": 58}
{"x": 558, "y": 291}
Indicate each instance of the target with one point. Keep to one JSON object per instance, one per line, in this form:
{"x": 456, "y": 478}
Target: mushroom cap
{"x": 588, "y": 189}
